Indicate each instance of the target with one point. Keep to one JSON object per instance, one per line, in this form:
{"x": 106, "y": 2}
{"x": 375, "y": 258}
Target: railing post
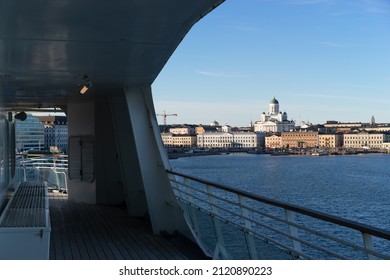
{"x": 24, "y": 169}
{"x": 54, "y": 168}
{"x": 65, "y": 181}
{"x": 191, "y": 210}
{"x": 24, "y": 174}
{"x": 248, "y": 225}
{"x": 293, "y": 230}
{"x": 368, "y": 244}
{"x": 220, "y": 244}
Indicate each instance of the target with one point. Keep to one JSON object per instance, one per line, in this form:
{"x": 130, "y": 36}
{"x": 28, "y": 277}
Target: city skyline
{"x": 322, "y": 59}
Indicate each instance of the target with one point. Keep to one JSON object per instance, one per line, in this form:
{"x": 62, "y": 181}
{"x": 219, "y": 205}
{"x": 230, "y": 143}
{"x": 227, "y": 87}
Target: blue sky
{"x": 322, "y": 59}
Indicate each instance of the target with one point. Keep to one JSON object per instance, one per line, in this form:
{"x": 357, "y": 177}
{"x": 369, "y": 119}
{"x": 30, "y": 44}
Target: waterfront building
{"x": 330, "y": 140}
{"x": 230, "y": 140}
{"x": 215, "y": 140}
{"x": 167, "y": 139}
{"x": 213, "y": 127}
{"x": 171, "y": 140}
{"x": 386, "y": 146}
{"x": 299, "y": 139}
{"x": 184, "y": 141}
{"x": 365, "y": 139}
{"x": 29, "y": 134}
{"x": 378, "y": 127}
{"x": 205, "y": 129}
{"x": 334, "y": 126}
{"x": 311, "y": 127}
{"x": 274, "y": 120}
{"x": 55, "y": 132}
{"x": 182, "y": 130}
{"x": 273, "y": 141}
{"x": 226, "y": 128}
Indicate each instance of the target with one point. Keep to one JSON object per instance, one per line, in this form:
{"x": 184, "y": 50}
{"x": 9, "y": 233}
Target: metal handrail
{"x": 298, "y": 209}
{"x": 341, "y": 241}
{"x": 366, "y": 230}
{"x": 33, "y": 166}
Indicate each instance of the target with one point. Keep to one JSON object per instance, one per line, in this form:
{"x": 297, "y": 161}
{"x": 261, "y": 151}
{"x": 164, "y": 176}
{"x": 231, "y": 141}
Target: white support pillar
{"x": 144, "y": 159}
{"x": 133, "y": 186}
{"x": 109, "y": 177}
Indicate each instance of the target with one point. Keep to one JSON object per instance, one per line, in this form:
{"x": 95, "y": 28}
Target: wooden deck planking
{"x": 78, "y": 248}
{"x": 99, "y": 226}
{"x": 136, "y": 231}
{"x": 84, "y": 231}
{"x": 146, "y": 241}
{"x": 129, "y": 251}
{"x": 55, "y": 247}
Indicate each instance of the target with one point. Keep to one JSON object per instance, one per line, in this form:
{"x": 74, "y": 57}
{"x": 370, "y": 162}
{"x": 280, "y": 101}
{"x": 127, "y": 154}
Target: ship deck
{"x": 81, "y": 231}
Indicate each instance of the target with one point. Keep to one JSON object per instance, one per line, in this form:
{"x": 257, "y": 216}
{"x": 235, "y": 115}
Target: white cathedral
{"x": 274, "y": 120}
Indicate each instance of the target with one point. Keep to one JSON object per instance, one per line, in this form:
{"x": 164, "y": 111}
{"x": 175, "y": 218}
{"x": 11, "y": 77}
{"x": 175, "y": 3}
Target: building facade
{"x": 273, "y": 141}
{"x": 274, "y": 120}
{"x": 381, "y": 128}
{"x": 55, "y": 132}
{"x": 334, "y": 126}
{"x": 171, "y": 140}
{"x": 299, "y": 139}
{"x": 330, "y": 140}
{"x": 386, "y": 147}
{"x": 182, "y": 130}
{"x": 167, "y": 139}
{"x": 29, "y": 134}
{"x": 205, "y": 129}
{"x": 230, "y": 140}
{"x": 365, "y": 139}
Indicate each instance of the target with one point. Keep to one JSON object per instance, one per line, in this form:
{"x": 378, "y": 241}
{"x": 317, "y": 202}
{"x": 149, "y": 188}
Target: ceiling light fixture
{"x": 86, "y": 84}
{"x": 83, "y": 90}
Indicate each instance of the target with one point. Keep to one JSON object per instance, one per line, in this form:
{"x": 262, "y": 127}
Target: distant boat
{"x": 319, "y": 153}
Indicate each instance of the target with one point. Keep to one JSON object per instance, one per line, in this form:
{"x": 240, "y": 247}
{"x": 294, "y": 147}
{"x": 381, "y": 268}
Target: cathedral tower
{"x": 273, "y": 107}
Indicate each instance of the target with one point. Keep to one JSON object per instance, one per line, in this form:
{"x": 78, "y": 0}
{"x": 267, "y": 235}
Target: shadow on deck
{"x": 82, "y": 231}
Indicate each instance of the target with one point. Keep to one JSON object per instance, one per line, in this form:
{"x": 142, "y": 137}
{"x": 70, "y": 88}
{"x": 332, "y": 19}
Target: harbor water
{"x": 355, "y": 187}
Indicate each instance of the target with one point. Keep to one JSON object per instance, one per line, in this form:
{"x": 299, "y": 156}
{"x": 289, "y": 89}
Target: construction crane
{"x": 165, "y": 115}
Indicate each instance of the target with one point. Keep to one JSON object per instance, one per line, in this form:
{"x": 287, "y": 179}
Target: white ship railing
{"x": 52, "y": 169}
{"x": 234, "y": 224}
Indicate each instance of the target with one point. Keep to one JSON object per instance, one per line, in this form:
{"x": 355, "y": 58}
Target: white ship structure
{"x": 96, "y": 61}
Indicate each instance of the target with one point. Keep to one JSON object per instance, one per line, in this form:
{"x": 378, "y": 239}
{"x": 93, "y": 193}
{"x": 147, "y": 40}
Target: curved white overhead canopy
{"x": 48, "y": 46}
